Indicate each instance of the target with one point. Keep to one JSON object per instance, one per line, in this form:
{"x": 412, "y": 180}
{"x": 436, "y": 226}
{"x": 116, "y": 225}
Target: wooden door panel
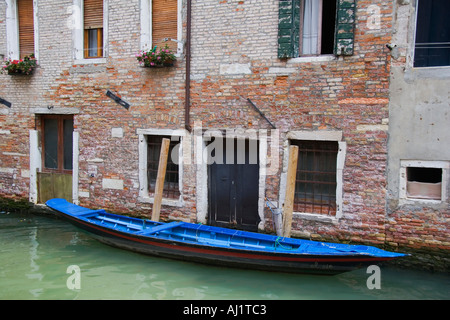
{"x": 54, "y": 185}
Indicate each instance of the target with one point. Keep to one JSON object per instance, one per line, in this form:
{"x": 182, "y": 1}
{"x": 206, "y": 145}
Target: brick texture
{"x": 234, "y": 57}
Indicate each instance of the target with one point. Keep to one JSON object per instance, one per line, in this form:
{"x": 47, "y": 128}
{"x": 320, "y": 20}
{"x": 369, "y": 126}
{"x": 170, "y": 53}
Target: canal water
{"x": 44, "y": 258}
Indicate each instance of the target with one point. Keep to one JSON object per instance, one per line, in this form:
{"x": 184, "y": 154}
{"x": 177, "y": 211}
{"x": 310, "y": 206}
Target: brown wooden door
{"x": 55, "y": 179}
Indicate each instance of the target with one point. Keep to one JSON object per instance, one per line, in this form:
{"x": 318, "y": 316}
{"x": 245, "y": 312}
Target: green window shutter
{"x": 345, "y": 27}
{"x": 288, "y": 28}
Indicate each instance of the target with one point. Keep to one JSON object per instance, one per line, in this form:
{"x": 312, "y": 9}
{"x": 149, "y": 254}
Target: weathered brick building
{"x": 262, "y": 74}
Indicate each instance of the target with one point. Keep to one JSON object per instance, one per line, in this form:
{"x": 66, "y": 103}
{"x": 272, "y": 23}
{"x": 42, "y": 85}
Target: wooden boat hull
{"x": 283, "y": 260}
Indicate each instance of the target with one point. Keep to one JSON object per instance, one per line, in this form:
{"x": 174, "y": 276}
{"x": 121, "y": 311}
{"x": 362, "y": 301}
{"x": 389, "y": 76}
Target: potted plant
{"x": 156, "y": 57}
{"x": 22, "y": 66}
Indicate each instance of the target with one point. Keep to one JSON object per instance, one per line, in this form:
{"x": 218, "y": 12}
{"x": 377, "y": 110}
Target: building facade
{"x": 252, "y": 78}
{"x": 418, "y": 155}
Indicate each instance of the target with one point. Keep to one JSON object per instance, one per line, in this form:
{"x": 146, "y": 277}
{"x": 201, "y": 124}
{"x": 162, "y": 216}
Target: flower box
{"x": 156, "y": 58}
{"x": 23, "y": 66}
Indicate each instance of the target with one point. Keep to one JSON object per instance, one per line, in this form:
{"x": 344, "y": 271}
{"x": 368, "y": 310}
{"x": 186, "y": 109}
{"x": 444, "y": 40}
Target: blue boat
{"x": 220, "y": 246}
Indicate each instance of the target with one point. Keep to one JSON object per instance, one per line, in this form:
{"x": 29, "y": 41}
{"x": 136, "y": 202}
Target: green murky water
{"x": 36, "y": 252}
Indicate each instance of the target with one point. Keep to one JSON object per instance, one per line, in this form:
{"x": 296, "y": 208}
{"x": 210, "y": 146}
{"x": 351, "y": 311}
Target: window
{"x": 315, "y": 27}
{"x": 424, "y": 183}
{"x": 432, "y": 47}
{"x": 93, "y": 28}
{"x": 164, "y": 22}
{"x": 26, "y": 27}
{"x": 171, "y": 182}
{"x": 21, "y": 29}
{"x": 57, "y": 143}
{"x": 160, "y": 24}
{"x": 316, "y": 179}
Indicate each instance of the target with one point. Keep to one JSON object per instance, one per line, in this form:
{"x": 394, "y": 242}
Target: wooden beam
{"x": 288, "y": 207}
{"x": 163, "y": 156}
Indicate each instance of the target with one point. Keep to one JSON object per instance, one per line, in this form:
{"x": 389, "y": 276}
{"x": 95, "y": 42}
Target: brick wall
{"x": 234, "y": 57}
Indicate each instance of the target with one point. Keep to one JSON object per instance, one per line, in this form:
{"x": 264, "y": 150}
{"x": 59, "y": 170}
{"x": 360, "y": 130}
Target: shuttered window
{"x": 93, "y": 28}
{"x": 312, "y": 27}
{"x": 26, "y": 27}
{"x": 164, "y": 22}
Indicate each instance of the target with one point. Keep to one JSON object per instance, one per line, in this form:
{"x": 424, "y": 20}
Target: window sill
{"x": 320, "y": 58}
{"x": 316, "y": 217}
{"x": 165, "y": 201}
{"x": 89, "y": 61}
{"x": 429, "y": 203}
{"x": 416, "y": 73}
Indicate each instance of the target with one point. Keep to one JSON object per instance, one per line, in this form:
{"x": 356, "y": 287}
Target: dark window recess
{"x": 428, "y": 175}
{"x": 315, "y": 184}
{"x": 328, "y": 26}
{"x": 432, "y": 48}
{"x": 317, "y": 25}
{"x": 171, "y": 182}
{"x": 57, "y": 143}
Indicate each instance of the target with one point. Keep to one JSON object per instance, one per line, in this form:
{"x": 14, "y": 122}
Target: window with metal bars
{"x": 171, "y": 182}
{"x": 315, "y": 183}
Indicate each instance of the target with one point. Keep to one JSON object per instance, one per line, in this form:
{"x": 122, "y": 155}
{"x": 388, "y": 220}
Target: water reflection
{"x": 36, "y": 251}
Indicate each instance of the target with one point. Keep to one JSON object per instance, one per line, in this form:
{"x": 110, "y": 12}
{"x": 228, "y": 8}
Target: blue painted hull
{"x": 220, "y": 246}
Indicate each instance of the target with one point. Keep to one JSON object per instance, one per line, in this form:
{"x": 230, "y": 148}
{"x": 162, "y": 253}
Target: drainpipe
{"x": 188, "y": 69}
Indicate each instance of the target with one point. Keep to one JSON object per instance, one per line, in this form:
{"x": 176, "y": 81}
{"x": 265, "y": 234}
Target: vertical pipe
{"x": 188, "y": 68}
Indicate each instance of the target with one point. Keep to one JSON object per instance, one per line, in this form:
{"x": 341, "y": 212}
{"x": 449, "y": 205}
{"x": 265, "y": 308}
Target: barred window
{"x": 315, "y": 185}
{"x": 171, "y": 181}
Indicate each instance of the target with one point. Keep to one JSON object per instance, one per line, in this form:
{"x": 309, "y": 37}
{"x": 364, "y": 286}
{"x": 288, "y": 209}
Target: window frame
{"x": 320, "y": 29}
{"x": 169, "y": 191}
{"x": 324, "y": 135}
{"x": 303, "y": 183}
{"x": 78, "y": 33}
{"x": 289, "y": 14}
{"x": 404, "y": 198}
{"x": 144, "y": 194}
{"x": 414, "y": 44}
{"x": 12, "y": 30}
{"x": 146, "y": 41}
{"x": 99, "y": 47}
{"x": 60, "y": 147}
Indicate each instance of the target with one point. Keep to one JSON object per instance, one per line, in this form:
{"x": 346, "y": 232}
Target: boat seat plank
{"x": 162, "y": 227}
